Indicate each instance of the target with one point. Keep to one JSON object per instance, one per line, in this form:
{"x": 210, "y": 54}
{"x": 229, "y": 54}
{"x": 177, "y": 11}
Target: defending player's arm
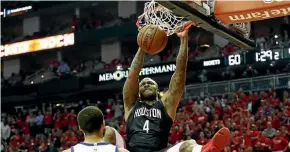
{"x": 131, "y": 86}
{"x": 177, "y": 83}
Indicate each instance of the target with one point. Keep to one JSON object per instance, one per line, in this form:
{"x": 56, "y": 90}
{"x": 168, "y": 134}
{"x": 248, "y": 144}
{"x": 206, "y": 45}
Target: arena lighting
{"x": 205, "y": 45}
{"x": 37, "y": 45}
{"x": 14, "y": 12}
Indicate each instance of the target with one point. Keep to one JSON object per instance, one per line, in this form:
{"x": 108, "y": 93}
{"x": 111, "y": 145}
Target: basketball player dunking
{"x": 91, "y": 123}
{"x": 149, "y": 119}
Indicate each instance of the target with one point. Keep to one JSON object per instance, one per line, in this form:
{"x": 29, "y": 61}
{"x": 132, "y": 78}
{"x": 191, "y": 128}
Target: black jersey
{"x": 148, "y": 127}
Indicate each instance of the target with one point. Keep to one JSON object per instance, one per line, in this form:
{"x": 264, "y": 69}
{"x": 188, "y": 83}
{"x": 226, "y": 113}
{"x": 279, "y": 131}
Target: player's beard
{"x": 151, "y": 97}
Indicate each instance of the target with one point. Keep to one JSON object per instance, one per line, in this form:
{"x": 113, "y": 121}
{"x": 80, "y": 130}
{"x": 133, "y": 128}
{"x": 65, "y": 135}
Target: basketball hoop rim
{"x": 150, "y": 17}
{"x": 185, "y": 25}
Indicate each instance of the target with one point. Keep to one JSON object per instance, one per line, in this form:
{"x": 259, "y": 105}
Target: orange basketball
{"x": 152, "y": 39}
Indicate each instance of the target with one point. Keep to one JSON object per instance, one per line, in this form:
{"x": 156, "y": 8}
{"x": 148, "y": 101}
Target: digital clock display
{"x": 268, "y": 55}
{"x": 243, "y": 58}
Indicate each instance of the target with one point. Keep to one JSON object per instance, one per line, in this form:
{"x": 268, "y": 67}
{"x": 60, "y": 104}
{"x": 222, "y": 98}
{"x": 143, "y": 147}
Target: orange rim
{"x": 186, "y": 25}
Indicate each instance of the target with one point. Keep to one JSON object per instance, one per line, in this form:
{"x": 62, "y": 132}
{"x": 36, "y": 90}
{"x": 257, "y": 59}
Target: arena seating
{"x": 258, "y": 121}
{"x": 258, "y": 116}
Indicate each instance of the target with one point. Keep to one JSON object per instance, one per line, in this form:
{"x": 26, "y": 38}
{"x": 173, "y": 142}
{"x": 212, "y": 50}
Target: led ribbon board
{"x": 37, "y": 45}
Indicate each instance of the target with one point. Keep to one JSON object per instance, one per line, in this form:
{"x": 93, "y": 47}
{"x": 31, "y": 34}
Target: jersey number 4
{"x": 146, "y": 126}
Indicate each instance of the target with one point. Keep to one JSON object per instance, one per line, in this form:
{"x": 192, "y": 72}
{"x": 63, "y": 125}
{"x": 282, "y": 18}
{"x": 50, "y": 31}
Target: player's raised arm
{"x": 177, "y": 83}
{"x": 131, "y": 86}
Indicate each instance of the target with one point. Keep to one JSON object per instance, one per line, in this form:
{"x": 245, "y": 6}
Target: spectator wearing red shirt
{"x": 57, "y": 119}
{"x": 73, "y": 139}
{"x": 25, "y": 129}
{"x": 64, "y": 117}
{"x": 279, "y": 142}
{"x": 264, "y": 143}
{"x": 276, "y": 120}
{"x": 109, "y": 113}
{"x": 16, "y": 139}
{"x": 200, "y": 117}
{"x": 228, "y": 110}
{"x": 274, "y": 101}
{"x": 72, "y": 118}
{"x": 122, "y": 130}
{"x": 47, "y": 121}
{"x": 19, "y": 120}
{"x": 253, "y": 97}
{"x": 284, "y": 133}
{"x": 202, "y": 140}
{"x": 243, "y": 97}
{"x": 175, "y": 135}
{"x": 228, "y": 49}
{"x": 236, "y": 142}
{"x": 216, "y": 121}
{"x": 247, "y": 137}
{"x": 57, "y": 122}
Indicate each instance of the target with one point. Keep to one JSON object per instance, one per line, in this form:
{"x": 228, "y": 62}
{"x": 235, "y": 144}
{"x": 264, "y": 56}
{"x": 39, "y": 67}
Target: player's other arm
{"x": 131, "y": 86}
{"x": 177, "y": 83}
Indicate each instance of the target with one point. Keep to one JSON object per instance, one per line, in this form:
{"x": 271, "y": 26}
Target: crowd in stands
{"x": 258, "y": 121}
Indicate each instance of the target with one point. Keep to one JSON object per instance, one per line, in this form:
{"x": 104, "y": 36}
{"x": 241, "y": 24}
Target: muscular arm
{"x": 177, "y": 83}
{"x": 110, "y": 136}
{"x": 131, "y": 86}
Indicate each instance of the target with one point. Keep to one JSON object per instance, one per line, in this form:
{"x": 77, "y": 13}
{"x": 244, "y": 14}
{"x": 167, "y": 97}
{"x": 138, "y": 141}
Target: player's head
{"x": 148, "y": 89}
{"x": 91, "y": 121}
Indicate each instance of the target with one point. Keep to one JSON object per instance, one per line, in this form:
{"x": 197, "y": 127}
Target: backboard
{"x": 200, "y": 14}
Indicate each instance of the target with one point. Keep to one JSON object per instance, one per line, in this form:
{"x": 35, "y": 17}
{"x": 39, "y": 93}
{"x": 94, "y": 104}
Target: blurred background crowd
{"x": 257, "y": 121}
{"x": 43, "y": 91}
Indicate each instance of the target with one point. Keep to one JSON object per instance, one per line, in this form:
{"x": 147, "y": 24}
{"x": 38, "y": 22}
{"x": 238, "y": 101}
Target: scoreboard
{"x": 246, "y": 57}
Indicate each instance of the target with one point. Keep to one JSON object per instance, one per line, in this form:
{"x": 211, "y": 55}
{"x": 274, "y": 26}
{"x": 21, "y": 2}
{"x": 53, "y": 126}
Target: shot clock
{"x": 268, "y": 55}
{"x": 249, "y": 57}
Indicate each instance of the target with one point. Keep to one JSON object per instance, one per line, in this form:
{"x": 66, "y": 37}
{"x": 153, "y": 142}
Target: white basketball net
{"x": 245, "y": 27}
{"x": 156, "y": 14}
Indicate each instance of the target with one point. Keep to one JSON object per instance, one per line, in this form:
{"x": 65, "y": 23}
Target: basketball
{"x": 152, "y": 39}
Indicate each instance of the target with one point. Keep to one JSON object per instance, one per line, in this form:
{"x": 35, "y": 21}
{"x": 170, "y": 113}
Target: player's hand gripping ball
{"x": 152, "y": 39}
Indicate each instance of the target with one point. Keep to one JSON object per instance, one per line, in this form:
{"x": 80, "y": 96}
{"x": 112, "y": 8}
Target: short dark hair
{"x": 90, "y": 119}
